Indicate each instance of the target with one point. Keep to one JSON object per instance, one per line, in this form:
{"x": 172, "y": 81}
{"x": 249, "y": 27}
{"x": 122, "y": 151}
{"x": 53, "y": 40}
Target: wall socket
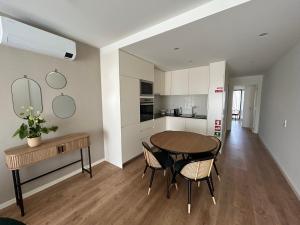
{"x": 285, "y": 123}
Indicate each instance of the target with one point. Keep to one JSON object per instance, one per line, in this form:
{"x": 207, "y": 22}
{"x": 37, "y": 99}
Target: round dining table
{"x": 182, "y": 142}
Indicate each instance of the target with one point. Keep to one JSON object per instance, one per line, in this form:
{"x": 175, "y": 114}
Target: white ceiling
{"x": 97, "y": 22}
{"x": 231, "y": 35}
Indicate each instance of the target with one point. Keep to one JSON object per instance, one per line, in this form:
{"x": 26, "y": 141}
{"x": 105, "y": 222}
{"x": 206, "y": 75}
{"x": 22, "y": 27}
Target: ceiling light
{"x": 263, "y": 34}
{"x": 175, "y": 49}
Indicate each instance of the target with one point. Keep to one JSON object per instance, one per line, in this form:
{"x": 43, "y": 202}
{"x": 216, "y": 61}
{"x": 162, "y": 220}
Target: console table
{"x": 23, "y": 156}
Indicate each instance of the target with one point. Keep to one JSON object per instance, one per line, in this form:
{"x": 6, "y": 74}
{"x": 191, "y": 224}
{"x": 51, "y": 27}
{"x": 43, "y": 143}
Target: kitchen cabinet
{"x": 175, "y": 123}
{"x": 199, "y": 80}
{"x": 146, "y": 129}
{"x": 133, "y": 66}
{"x": 196, "y": 125}
{"x": 159, "y": 125}
{"x": 131, "y": 143}
{"x": 180, "y": 82}
{"x": 166, "y": 83}
{"x": 158, "y": 81}
{"x": 130, "y": 92}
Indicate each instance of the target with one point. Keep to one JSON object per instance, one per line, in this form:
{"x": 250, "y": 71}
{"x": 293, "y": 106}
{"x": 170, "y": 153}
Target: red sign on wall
{"x": 217, "y": 122}
{"x": 219, "y": 90}
{"x": 217, "y": 128}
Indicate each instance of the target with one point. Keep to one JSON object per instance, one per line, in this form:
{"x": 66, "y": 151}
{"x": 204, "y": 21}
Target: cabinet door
{"x": 131, "y": 142}
{"x": 166, "y": 83}
{"x": 157, "y": 81}
{"x": 199, "y": 80}
{"x": 130, "y": 111}
{"x": 135, "y": 67}
{"x": 196, "y": 125}
{"x": 159, "y": 125}
{"x": 175, "y": 123}
{"x": 180, "y": 82}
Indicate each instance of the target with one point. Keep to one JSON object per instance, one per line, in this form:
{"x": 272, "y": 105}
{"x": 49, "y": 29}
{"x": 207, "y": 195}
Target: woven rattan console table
{"x": 23, "y": 156}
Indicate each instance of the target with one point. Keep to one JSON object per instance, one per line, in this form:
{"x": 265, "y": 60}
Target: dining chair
{"x": 156, "y": 160}
{"x": 195, "y": 171}
{"x": 213, "y": 154}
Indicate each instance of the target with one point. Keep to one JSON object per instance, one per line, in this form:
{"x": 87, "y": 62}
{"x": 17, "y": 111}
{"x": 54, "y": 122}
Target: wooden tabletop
{"x": 183, "y": 142}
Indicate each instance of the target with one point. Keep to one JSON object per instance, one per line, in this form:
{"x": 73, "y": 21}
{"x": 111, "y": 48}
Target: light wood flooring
{"x": 252, "y": 191}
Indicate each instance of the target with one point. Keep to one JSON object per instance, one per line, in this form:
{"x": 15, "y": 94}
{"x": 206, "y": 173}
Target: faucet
{"x": 193, "y": 110}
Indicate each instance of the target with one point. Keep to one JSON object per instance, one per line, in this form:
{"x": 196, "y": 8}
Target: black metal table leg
{"x": 19, "y": 192}
{"x": 90, "y": 163}
{"x": 15, "y": 186}
{"x": 82, "y": 166}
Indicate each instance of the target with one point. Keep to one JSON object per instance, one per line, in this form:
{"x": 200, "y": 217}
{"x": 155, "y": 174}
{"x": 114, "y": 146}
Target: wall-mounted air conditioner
{"x": 23, "y": 36}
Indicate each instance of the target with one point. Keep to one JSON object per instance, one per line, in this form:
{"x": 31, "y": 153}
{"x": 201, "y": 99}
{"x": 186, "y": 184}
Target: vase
{"x": 33, "y": 142}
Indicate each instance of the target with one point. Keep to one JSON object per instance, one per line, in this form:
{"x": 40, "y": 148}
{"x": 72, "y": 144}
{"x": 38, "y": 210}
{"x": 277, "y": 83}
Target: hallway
{"x": 252, "y": 191}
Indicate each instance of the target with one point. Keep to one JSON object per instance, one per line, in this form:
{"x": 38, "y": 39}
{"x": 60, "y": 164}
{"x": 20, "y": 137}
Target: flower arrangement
{"x": 34, "y": 127}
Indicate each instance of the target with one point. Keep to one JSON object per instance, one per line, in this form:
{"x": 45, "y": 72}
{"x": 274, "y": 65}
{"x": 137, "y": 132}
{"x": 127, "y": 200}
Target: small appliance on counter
{"x": 178, "y": 111}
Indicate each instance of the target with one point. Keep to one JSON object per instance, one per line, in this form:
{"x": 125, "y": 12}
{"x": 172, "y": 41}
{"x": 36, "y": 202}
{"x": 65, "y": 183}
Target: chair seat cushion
{"x": 164, "y": 159}
{"x": 180, "y": 164}
{"x": 8, "y": 221}
{"x": 204, "y": 155}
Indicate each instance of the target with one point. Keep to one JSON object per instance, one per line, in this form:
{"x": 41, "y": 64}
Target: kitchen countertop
{"x": 159, "y": 115}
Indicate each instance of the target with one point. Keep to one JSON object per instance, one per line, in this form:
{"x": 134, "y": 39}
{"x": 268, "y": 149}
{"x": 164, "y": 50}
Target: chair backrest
{"x": 197, "y": 169}
{"x": 149, "y": 157}
{"x": 219, "y": 145}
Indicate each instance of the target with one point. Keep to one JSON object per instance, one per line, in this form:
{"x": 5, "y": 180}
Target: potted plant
{"x": 34, "y": 127}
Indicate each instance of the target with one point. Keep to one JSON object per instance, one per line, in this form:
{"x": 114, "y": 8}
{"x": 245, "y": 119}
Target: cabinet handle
{"x": 61, "y": 149}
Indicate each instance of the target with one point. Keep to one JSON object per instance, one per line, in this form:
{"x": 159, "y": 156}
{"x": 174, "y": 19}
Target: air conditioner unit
{"x": 23, "y": 36}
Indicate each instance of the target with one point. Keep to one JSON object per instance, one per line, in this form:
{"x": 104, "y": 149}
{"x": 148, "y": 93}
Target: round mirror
{"x": 63, "y": 106}
{"x": 56, "y": 80}
{"x": 26, "y": 93}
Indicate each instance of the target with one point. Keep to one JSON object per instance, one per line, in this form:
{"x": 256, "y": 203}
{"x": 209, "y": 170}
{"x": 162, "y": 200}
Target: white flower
{"x": 38, "y": 112}
{"x": 22, "y": 107}
{"x": 30, "y": 107}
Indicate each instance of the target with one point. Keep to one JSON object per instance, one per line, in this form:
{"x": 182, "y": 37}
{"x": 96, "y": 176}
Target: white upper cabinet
{"x": 199, "y": 80}
{"x": 130, "y": 102}
{"x": 166, "y": 83}
{"x": 180, "y": 82}
{"x": 135, "y": 67}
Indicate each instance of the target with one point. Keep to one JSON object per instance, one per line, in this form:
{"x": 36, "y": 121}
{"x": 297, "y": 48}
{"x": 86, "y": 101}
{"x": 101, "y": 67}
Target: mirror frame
{"x": 56, "y": 71}
{"x": 12, "y": 95}
{"x": 70, "y": 98}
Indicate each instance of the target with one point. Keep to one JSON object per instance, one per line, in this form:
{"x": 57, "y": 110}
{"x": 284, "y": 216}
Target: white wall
{"x": 256, "y": 80}
{"x": 83, "y": 85}
{"x": 110, "y": 80}
{"x": 281, "y": 101}
{"x": 249, "y": 106}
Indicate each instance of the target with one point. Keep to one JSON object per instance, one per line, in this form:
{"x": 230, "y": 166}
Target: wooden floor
{"x": 252, "y": 191}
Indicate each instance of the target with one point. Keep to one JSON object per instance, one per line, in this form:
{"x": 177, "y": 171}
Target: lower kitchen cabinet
{"x": 175, "y": 123}
{"x": 131, "y": 142}
{"x": 196, "y": 125}
{"x": 159, "y": 125}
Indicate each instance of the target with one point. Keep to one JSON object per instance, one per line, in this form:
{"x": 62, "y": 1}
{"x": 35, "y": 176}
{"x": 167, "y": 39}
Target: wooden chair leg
{"x": 146, "y": 167}
{"x": 211, "y": 190}
{"x": 151, "y": 181}
{"x": 189, "y": 196}
{"x": 199, "y": 183}
{"x": 216, "y": 169}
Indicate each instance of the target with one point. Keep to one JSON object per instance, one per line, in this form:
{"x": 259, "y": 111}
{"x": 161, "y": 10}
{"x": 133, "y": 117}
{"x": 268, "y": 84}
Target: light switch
{"x": 285, "y": 123}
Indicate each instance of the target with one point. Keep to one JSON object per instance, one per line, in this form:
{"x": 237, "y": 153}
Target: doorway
{"x": 237, "y": 104}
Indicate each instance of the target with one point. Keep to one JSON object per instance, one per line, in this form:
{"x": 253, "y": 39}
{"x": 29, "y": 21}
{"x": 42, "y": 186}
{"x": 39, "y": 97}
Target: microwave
{"x": 146, "y": 88}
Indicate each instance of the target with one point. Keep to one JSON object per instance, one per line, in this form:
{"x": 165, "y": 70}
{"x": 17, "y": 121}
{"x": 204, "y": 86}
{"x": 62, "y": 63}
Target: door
{"x": 248, "y": 109}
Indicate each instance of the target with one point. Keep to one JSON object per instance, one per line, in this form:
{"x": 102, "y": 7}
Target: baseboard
{"x": 286, "y": 177}
{"x": 45, "y": 186}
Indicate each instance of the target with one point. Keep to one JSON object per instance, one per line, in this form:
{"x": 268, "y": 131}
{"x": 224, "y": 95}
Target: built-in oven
{"x": 146, "y": 109}
{"x": 146, "y": 88}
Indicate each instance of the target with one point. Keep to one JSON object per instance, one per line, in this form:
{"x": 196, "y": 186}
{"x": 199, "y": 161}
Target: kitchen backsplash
{"x": 184, "y": 101}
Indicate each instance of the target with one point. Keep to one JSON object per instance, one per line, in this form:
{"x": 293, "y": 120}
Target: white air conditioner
{"x": 20, "y": 35}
